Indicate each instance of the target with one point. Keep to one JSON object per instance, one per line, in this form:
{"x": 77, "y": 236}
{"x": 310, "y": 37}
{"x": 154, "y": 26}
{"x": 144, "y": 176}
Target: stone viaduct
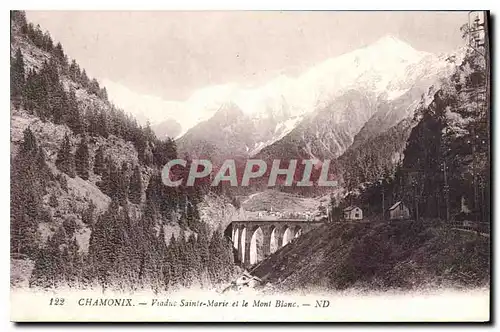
{"x": 272, "y": 235}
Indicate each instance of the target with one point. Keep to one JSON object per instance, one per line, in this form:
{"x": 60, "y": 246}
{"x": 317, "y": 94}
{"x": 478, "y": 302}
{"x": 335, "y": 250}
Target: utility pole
{"x": 383, "y": 198}
{"x": 383, "y": 203}
{"x": 446, "y": 192}
{"x": 478, "y": 41}
{"x": 474, "y": 170}
{"x": 414, "y": 180}
{"x": 486, "y": 205}
{"x": 483, "y": 202}
{"x": 416, "y": 201}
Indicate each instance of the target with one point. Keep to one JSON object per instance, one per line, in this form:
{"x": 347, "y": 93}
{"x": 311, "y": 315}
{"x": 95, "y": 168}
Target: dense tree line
{"x": 29, "y": 174}
{"x": 125, "y": 253}
{"x": 374, "y": 159}
{"x": 447, "y": 158}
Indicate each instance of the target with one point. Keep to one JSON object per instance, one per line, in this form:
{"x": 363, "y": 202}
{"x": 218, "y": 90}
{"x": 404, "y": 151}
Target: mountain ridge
{"x": 388, "y": 71}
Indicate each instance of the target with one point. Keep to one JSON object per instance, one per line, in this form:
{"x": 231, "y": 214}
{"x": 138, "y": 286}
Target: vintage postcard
{"x": 250, "y": 166}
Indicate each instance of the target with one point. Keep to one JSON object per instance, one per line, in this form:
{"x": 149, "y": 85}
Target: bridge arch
{"x": 297, "y": 231}
{"x": 273, "y": 239}
{"x": 257, "y": 246}
{"x": 288, "y": 235}
{"x": 243, "y": 244}
{"x": 236, "y": 237}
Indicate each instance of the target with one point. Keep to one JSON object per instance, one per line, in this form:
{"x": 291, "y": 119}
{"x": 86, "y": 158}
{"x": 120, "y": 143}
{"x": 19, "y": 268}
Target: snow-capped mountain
{"x": 365, "y": 91}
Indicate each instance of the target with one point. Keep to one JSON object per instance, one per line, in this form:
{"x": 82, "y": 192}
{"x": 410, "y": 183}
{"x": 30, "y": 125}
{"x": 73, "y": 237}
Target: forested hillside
{"x": 88, "y": 207}
{"x": 442, "y": 169}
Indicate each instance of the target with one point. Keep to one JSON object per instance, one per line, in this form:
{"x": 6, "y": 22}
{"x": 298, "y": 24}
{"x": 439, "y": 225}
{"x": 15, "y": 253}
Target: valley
{"x": 394, "y": 127}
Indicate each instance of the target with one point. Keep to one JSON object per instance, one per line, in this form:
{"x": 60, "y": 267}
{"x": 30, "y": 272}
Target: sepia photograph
{"x": 250, "y": 166}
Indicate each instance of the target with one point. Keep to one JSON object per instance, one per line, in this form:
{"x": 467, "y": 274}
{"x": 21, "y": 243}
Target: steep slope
{"x": 218, "y": 211}
{"x": 379, "y": 255}
{"x": 376, "y": 157}
{"x": 326, "y": 133}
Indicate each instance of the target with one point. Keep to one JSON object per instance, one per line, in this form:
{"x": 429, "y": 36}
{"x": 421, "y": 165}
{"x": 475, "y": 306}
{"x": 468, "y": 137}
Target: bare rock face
{"x": 218, "y": 212}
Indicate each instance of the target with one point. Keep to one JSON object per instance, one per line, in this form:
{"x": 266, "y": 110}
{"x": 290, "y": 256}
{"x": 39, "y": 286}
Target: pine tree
{"x": 106, "y": 183}
{"x": 221, "y": 258}
{"x": 163, "y": 262}
{"x": 84, "y": 79}
{"x": 29, "y": 145}
{"x": 17, "y": 77}
{"x": 73, "y": 116}
{"x": 163, "y": 152}
{"x": 135, "y": 188}
{"x": 74, "y": 263}
{"x": 43, "y": 272}
{"x": 29, "y": 92}
{"x": 28, "y": 177}
{"x": 123, "y": 184}
{"x": 65, "y": 159}
{"x": 94, "y": 87}
{"x": 52, "y": 262}
{"x": 59, "y": 53}
{"x": 88, "y": 214}
{"x": 116, "y": 185}
{"x": 173, "y": 257}
{"x": 106, "y": 242}
{"x": 193, "y": 258}
{"x": 59, "y": 103}
{"x": 192, "y": 216}
{"x": 82, "y": 159}
{"x": 74, "y": 71}
{"x": 104, "y": 94}
{"x": 102, "y": 124}
{"x": 203, "y": 246}
{"x": 99, "y": 161}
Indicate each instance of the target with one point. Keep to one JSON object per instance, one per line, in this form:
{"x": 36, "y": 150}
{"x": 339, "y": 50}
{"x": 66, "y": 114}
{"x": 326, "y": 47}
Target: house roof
{"x": 350, "y": 208}
{"x": 395, "y": 205}
{"x": 249, "y": 276}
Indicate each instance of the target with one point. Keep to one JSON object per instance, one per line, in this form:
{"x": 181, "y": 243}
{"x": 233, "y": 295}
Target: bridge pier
{"x": 248, "y": 242}
{"x": 280, "y": 231}
{"x": 267, "y": 232}
{"x": 240, "y": 244}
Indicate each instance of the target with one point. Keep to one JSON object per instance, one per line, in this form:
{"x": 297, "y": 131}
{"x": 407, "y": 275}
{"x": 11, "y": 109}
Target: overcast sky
{"x": 171, "y": 54}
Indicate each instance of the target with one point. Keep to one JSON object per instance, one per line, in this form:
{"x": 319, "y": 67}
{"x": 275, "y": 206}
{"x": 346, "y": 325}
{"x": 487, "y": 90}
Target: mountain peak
{"x": 392, "y": 42}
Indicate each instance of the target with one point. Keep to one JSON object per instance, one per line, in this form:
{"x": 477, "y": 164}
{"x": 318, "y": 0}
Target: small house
{"x": 353, "y": 213}
{"x": 247, "y": 279}
{"x": 399, "y": 211}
